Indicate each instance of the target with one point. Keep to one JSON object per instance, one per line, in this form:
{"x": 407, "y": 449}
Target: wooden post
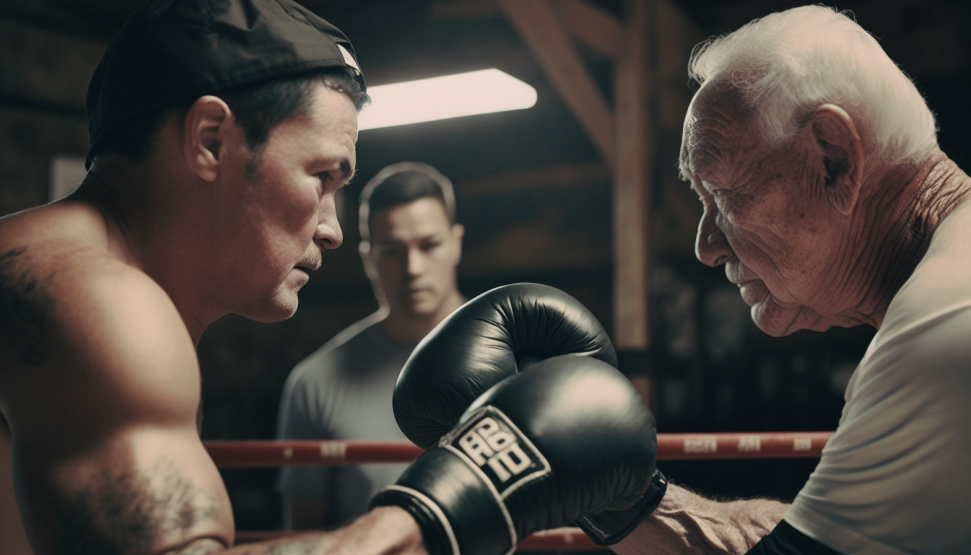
{"x": 624, "y": 137}
{"x": 632, "y": 168}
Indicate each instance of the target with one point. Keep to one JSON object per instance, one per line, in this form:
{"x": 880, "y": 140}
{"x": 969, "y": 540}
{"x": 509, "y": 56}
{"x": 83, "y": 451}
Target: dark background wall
{"x": 535, "y": 198}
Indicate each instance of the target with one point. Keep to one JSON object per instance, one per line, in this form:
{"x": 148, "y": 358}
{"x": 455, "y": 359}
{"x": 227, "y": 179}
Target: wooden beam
{"x": 593, "y": 26}
{"x": 461, "y": 9}
{"x": 676, "y": 37}
{"x": 631, "y": 200}
{"x": 534, "y": 179}
{"x": 546, "y": 37}
{"x": 44, "y": 69}
{"x": 540, "y": 245}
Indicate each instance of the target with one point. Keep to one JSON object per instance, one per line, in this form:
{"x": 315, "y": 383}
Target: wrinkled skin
{"x": 816, "y": 232}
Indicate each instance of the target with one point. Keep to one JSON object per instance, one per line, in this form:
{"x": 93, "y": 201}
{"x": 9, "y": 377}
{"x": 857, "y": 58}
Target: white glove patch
{"x": 493, "y": 445}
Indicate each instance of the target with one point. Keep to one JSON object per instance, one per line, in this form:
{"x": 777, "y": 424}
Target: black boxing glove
{"x": 542, "y": 448}
{"x": 490, "y": 338}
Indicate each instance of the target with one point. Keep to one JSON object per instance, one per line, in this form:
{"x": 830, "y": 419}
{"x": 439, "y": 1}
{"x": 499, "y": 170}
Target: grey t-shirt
{"x": 343, "y": 391}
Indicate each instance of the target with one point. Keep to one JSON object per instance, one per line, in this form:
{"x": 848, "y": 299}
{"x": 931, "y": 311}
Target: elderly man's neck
{"x": 943, "y": 187}
{"x": 907, "y": 205}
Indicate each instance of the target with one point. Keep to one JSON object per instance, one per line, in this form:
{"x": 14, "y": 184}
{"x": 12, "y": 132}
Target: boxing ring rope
{"x": 670, "y": 447}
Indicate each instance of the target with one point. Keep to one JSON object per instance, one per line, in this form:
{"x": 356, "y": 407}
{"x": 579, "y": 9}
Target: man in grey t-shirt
{"x": 411, "y": 245}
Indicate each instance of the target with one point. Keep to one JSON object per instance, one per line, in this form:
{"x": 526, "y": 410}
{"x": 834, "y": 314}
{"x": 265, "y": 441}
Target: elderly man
{"x": 829, "y": 202}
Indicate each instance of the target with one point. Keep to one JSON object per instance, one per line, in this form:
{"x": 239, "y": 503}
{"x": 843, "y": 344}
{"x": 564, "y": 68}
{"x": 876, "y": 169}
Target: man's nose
{"x": 416, "y": 262}
{"x": 711, "y": 245}
{"x": 328, "y": 234}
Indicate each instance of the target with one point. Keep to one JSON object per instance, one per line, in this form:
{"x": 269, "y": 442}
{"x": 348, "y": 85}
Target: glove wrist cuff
{"x": 458, "y": 515}
{"x": 436, "y": 533}
{"x": 609, "y": 527}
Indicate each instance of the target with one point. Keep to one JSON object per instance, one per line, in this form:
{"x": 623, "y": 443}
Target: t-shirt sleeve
{"x": 299, "y": 419}
{"x": 786, "y": 540}
{"x": 893, "y": 478}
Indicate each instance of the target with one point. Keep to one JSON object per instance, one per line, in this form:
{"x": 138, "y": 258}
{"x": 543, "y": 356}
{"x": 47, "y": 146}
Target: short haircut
{"x": 257, "y": 108}
{"x": 403, "y": 183}
{"x": 787, "y": 64}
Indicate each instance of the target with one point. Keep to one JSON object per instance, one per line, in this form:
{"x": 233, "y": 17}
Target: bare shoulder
{"x": 102, "y": 394}
{"x": 70, "y": 309}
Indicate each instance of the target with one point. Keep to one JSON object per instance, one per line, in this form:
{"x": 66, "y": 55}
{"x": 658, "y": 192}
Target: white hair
{"x": 787, "y": 64}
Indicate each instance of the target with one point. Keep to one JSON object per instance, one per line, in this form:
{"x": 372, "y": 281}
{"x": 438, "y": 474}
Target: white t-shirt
{"x": 895, "y": 478}
{"x": 343, "y": 391}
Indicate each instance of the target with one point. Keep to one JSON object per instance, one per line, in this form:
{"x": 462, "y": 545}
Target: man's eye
{"x": 725, "y": 200}
{"x": 429, "y": 246}
{"x": 717, "y": 191}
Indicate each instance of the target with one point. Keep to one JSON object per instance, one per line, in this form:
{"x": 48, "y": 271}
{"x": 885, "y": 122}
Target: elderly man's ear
{"x": 841, "y": 153}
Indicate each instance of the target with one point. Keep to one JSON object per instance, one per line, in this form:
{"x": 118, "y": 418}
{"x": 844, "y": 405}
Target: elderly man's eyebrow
{"x": 684, "y": 172}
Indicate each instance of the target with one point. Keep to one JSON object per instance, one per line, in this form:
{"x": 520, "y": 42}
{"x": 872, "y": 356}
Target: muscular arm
{"x": 384, "y": 530}
{"x": 106, "y": 450}
{"x": 686, "y": 523}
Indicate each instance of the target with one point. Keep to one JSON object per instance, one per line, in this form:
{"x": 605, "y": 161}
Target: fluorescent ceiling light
{"x": 451, "y": 96}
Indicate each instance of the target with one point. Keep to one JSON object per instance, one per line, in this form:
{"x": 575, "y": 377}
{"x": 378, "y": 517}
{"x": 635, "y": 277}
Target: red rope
{"x": 761, "y": 445}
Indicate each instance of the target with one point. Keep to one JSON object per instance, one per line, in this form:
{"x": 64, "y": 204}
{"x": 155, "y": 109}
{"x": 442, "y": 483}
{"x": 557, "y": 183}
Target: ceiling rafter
{"x": 593, "y": 26}
{"x": 547, "y": 38}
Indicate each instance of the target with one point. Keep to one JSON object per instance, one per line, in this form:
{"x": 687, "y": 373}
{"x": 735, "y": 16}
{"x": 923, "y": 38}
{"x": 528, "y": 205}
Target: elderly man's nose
{"x": 711, "y": 246}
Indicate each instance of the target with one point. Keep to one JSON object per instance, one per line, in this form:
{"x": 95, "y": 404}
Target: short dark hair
{"x": 258, "y": 108}
{"x": 403, "y": 183}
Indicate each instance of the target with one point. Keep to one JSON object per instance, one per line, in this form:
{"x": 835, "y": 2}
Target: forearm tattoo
{"x": 126, "y": 513}
{"x": 24, "y": 309}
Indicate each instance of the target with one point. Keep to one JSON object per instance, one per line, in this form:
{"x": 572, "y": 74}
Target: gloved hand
{"x": 490, "y": 338}
{"x": 538, "y": 450}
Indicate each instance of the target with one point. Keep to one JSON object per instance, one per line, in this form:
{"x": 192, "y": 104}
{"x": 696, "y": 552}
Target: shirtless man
{"x": 202, "y": 199}
{"x": 220, "y": 131}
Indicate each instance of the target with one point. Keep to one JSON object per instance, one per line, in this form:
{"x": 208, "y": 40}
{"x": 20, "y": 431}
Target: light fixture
{"x": 451, "y": 96}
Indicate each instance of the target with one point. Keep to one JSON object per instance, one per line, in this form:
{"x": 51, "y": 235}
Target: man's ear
{"x": 203, "y": 131}
{"x": 364, "y": 249}
{"x": 458, "y": 232}
{"x": 842, "y": 156}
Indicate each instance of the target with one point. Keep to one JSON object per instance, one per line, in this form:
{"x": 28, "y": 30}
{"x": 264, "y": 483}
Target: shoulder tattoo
{"x": 125, "y": 512}
{"x": 24, "y": 308}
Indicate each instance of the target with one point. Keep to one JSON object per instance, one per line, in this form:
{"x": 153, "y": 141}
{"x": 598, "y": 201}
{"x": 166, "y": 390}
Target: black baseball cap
{"x": 174, "y": 51}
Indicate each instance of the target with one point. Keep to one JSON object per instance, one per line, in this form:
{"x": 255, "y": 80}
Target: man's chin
{"x": 778, "y": 320}
{"x": 278, "y": 309}
{"x": 419, "y": 311}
